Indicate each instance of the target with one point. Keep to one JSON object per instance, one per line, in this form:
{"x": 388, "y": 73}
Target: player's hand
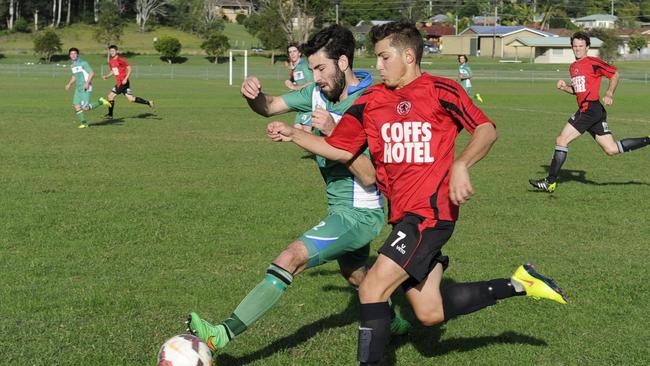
{"x": 67, "y": 86}
{"x": 608, "y": 100}
{"x": 561, "y": 84}
{"x": 279, "y": 132}
{"x": 86, "y": 86}
{"x": 323, "y": 120}
{"x": 125, "y": 81}
{"x": 289, "y": 85}
{"x": 251, "y": 87}
{"x": 104, "y": 77}
{"x": 460, "y": 187}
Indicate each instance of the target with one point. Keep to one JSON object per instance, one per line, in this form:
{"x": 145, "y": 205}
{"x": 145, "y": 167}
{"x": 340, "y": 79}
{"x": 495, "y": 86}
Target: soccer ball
{"x": 184, "y": 350}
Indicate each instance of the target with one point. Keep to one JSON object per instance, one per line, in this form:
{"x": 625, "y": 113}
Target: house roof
{"x": 598, "y": 17}
{"x": 373, "y": 22}
{"x": 554, "y": 42}
{"x": 438, "y": 30}
{"x": 234, "y": 3}
{"x": 501, "y": 30}
{"x": 439, "y": 18}
{"x": 562, "y": 32}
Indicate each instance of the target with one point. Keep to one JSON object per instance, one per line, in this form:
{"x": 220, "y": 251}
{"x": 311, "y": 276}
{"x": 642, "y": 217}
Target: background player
{"x": 299, "y": 77}
{"x": 82, "y": 77}
{"x": 586, "y": 73}
{"x": 355, "y": 212}
{"x": 121, "y": 69}
{"x": 410, "y": 124}
{"x": 465, "y": 76}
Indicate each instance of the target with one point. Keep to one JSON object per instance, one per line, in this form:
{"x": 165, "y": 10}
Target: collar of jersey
{"x": 365, "y": 80}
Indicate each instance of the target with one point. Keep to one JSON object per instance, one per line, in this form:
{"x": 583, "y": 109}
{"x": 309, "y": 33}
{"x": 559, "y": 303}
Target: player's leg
{"x": 611, "y": 147}
{"x": 111, "y": 99}
{"x": 133, "y": 99}
{"x": 568, "y": 134}
{"x": 81, "y": 104}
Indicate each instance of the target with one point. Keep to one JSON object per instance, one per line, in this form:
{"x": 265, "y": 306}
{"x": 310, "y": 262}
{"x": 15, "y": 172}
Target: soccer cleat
{"x": 538, "y": 286}
{"x": 478, "y": 97}
{"x": 215, "y": 336}
{"x": 399, "y": 326}
{"x": 83, "y": 125}
{"x": 543, "y": 184}
{"x": 105, "y": 102}
{"x": 151, "y": 104}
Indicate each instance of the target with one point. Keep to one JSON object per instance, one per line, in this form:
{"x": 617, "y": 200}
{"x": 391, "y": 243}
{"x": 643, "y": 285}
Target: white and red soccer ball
{"x": 184, "y": 350}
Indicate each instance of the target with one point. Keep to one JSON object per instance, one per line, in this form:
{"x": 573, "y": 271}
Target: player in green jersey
{"x": 299, "y": 77}
{"x": 355, "y": 206}
{"x": 82, "y": 77}
{"x": 465, "y": 75}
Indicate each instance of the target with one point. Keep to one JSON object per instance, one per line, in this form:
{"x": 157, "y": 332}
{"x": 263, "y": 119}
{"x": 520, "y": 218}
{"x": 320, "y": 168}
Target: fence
{"x": 220, "y": 72}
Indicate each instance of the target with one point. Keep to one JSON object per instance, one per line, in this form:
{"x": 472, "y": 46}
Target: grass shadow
{"x": 108, "y": 122}
{"x": 580, "y": 176}
{"x": 174, "y": 60}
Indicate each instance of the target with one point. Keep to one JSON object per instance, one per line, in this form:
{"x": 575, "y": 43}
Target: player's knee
{"x": 610, "y": 151}
{"x": 294, "y": 257}
{"x": 430, "y": 317}
{"x": 354, "y": 276}
{"x": 370, "y": 291}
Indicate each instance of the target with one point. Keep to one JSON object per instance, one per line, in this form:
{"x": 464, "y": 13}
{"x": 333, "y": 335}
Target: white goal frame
{"x": 230, "y": 53}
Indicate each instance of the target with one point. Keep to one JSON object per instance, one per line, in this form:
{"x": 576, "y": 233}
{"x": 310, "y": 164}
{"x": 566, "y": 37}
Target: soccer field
{"x": 111, "y": 235}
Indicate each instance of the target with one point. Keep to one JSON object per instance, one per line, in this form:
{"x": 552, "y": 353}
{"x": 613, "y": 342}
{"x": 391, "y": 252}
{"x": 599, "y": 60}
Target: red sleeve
{"x": 123, "y": 63}
{"x": 349, "y": 134}
{"x": 602, "y": 68}
{"x": 453, "y": 98}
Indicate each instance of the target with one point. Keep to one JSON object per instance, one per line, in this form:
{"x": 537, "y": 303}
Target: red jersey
{"x": 411, "y": 133}
{"x": 586, "y": 74}
{"x": 118, "y": 66}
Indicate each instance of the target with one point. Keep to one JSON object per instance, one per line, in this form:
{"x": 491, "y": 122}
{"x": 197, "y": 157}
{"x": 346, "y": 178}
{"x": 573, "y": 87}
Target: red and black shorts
{"x": 417, "y": 246}
{"x": 122, "y": 88}
{"x": 592, "y": 119}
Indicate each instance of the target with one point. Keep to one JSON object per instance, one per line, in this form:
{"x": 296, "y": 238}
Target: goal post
{"x": 230, "y": 63}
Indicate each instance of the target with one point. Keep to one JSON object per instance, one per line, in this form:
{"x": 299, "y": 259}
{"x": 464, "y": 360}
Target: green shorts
{"x": 303, "y": 118}
{"x": 81, "y": 98}
{"x": 345, "y": 235}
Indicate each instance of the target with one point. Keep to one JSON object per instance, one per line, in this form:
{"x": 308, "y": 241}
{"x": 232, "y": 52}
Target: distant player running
{"x": 355, "y": 213}
{"x": 121, "y": 69}
{"x": 586, "y": 73}
{"x": 82, "y": 77}
{"x": 299, "y": 77}
{"x": 465, "y": 76}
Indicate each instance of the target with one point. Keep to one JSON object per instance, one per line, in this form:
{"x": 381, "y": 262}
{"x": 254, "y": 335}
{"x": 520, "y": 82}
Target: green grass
{"x": 112, "y": 234}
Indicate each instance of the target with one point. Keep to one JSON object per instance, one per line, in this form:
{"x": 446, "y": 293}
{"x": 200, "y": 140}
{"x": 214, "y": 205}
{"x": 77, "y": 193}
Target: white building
{"x": 550, "y": 50}
{"x": 596, "y": 21}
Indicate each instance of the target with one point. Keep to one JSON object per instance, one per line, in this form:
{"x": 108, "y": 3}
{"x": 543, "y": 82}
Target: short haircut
{"x": 581, "y": 35}
{"x": 335, "y": 41}
{"x": 466, "y": 59}
{"x": 73, "y": 49}
{"x": 293, "y": 44}
{"x": 113, "y": 47}
{"x": 403, "y": 34}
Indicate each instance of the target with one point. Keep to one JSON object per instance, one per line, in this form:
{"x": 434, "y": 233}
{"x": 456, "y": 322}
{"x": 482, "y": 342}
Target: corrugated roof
{"x": 563, "y": 42}
{"x": 502, "y": 30}
{"x": 597, "y": 17}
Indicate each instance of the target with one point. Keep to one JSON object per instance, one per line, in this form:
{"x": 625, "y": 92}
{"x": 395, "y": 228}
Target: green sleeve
{"x": 86, "y": 66}
{"x": 300, "y": 100}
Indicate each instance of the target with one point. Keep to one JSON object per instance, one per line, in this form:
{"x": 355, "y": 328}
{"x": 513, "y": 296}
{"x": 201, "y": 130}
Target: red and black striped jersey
{"x": 586, "y": 74}
{"x": 118, "y": 65}
{"x": 411, "y": 134}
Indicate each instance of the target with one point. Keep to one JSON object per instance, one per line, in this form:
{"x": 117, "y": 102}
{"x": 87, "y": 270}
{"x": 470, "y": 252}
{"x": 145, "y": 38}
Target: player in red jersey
{"x": 121, "y": 69}
{"x": 410, "y": 124}
{"x": 586, "y": 73}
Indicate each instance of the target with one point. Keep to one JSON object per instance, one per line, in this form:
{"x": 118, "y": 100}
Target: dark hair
{"x": 335, "y": 40}
{"x": 73, "y": 49}
{"x": 112, "y": 47}
{"x": 403, "y": 34}
{"x": 581, "y": 35}
{"x": 466, "y": 59}
{"x": 293, "y": 44}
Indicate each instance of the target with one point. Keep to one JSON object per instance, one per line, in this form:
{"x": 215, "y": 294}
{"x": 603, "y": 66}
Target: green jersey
{"x": 341, "y": 185}
{"x": 300, "y": 73}
{"x": 465, "y": 71}
{"x": 81, "y": 71}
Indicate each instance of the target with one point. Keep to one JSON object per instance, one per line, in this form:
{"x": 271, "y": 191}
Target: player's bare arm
{"x": 110, "y": 73}
{"x": 608, "y": 99}
{"x": 90, "y": 80}
{"x": 363, "y": 169}
{"x": 128, "y": 74}
{"x": 460, "y": 186}
{"x": 262, "y": 104}
{"x": 281, "y": 132}
{"x": 69, "y": 84}
{"x": 562, "y": 85}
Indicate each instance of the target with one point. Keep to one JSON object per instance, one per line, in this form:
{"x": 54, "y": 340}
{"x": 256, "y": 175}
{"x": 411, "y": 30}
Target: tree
{"x": 611, "y": 42}
{"x": 637, "y": 42}
{"x": 110, "y": 25}
{"x": 267, "y": 27}
{"x": 47, "y": 44}
{"x": 148, "y": 8}
{"x": 215, "y": 45}
{"x": 169, "y": 48}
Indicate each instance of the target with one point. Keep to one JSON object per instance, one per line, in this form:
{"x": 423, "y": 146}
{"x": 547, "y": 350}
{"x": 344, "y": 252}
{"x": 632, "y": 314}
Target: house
{"x": 549, "y": 50}
{"x": 485, "y": 20}
{"x": 484, "y": 41}
{"x": 231, "y": 8}
{"x": 625, "y": 35}
{"x": 433, "y": 33}
{"x": 362, "y": 28}
{"x": 596, "y": 21}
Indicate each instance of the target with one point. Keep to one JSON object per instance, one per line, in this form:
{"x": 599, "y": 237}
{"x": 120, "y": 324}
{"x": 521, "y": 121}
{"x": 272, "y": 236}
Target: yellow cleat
{"x": 543, "y": 184}
{"x": 105, "y": 102}
{"x": 478, "y": 97}
{"x": 538, "y": 286}
{"x": 83, "y": 125}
